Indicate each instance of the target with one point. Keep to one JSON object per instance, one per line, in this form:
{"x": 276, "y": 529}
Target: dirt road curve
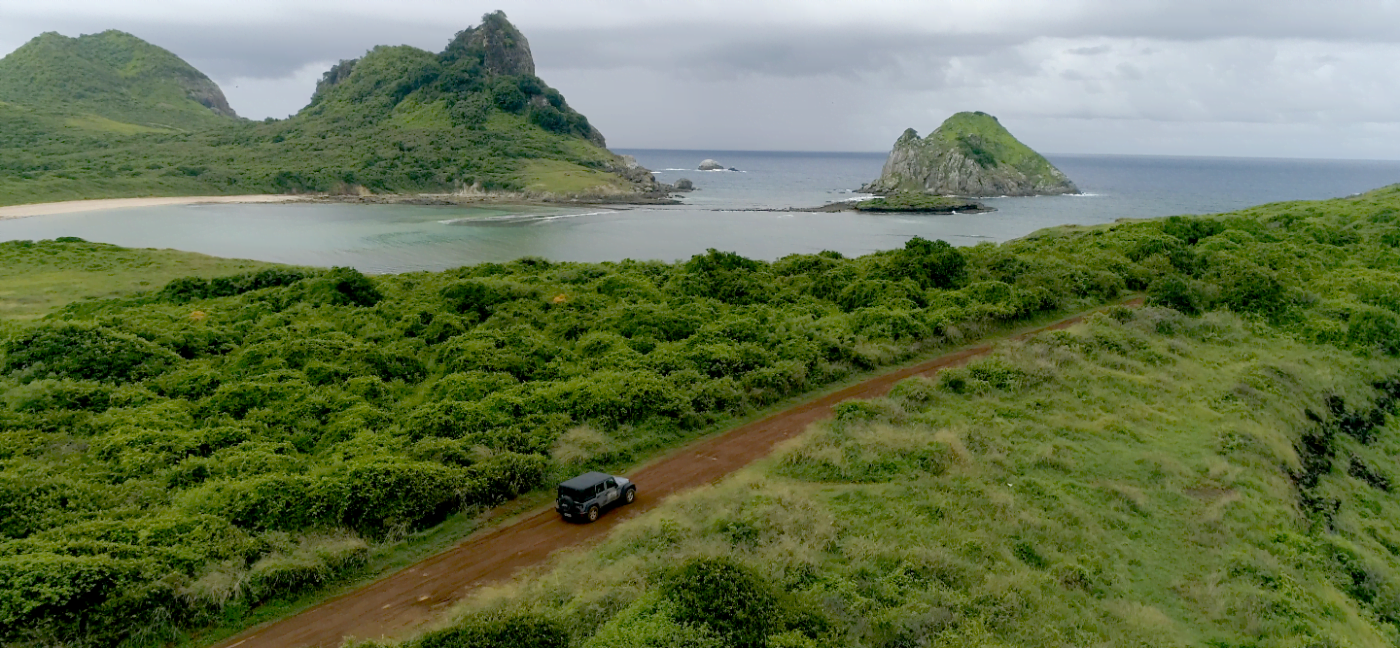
{"x": 402, "y": 601}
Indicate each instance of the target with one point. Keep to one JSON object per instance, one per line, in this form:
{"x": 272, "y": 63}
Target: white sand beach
{"x": 74, "y": 206}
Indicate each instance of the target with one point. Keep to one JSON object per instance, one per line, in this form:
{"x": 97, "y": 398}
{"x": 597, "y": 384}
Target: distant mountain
{"x": 971, "y": 154}
{"x": 111, "y": 116}
{"x": 112, "y": 75}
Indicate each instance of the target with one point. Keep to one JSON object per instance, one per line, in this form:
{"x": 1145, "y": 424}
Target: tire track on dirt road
{"x": 407, "y": 599}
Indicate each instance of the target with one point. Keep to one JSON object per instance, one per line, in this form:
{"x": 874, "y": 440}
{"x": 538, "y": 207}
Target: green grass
{"x": 561, "y": 177}
{"x": 1126, "y": 482}
{"x": 37, "y": 278}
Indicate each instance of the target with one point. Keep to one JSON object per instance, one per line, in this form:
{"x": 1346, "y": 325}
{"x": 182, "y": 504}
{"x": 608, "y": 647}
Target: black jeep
{"x": 588, "y": 494}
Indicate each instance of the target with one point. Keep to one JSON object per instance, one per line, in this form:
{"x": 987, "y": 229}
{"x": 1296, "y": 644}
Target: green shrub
{"x": 343, "y": 287}
{"x": 381, "y": 497}
{"x": 84, "y": 352}
{"x": 726, "y": 596}
{"x": 933, "y": 264}
{"x": 63, "y": 595}
{"x": 521, "y": 631}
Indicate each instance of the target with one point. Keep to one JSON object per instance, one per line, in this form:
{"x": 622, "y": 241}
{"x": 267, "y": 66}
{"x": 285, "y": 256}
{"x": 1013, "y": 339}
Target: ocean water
{"x": 399, "y": 238}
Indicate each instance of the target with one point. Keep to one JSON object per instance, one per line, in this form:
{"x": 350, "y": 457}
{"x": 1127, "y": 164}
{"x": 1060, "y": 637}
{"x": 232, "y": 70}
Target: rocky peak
{"x": 500, "y": 47}
{"x": 970, "y": 154}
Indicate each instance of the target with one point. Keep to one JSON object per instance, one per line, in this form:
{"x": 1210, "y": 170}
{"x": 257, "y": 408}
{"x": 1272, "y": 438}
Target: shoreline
{"x": 105, "y": 204}
{"x": 505, "y": 198}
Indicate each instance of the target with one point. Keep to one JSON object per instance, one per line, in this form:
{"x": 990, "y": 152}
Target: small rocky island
{"x": 971, "y": 154}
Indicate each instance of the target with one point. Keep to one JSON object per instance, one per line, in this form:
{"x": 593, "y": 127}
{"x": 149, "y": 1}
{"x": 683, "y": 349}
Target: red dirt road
{"x": 405, "y": 600}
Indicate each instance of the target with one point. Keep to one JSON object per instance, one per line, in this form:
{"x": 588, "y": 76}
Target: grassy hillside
{"x": 37, "y": 278}
{"x": 1146, "y": 479}
{"x": 174, "y": 459}
{"x": 398, "y": 120}
{"x": 111, "y": 75}
{"x": 1218, "y": 473}
{"x": 981, "y": 137}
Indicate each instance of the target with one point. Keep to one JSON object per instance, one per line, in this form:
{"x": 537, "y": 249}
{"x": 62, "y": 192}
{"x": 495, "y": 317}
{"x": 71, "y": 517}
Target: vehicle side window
{"x": 612, "y": 483}
{"x": 598, "y": 490}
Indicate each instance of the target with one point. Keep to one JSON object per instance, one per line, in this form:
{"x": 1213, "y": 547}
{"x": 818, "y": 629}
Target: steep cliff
{"x": 971, "y": 154}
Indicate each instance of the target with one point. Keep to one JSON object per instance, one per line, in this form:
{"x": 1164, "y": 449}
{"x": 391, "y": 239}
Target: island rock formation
{"x": 711, "y": 165}
{"x": 684, "y": 184}
{"x": 971, "y": 154}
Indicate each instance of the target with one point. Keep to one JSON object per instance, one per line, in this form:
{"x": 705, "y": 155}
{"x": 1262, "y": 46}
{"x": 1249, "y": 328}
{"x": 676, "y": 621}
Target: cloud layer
{"x": 1286, "y": 78}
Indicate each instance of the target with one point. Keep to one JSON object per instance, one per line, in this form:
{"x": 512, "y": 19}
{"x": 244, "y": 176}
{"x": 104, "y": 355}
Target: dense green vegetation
{"x": 1145, "y": 479}
{"x": 37, "y": 278}
{"x": 1219, "y": 473}
{"x": 111, "y": 76}
{"x": 172, "y": 458}
{"x": 398, "y": 120}
{"x": 917, "y": 201}
{"x": 984, "y": 140}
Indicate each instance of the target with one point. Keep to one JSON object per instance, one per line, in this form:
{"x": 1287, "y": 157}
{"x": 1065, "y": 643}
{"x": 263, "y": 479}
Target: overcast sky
{"x": 1273, "y": 78}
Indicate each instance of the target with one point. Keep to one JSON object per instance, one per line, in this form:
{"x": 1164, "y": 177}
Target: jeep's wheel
{"x": 631, "y": 495}
{"x": 592, "y": 514}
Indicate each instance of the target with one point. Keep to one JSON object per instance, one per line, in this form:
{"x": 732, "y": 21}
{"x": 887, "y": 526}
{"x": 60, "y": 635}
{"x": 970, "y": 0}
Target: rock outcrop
{"x": 711, "y": 165}
{"x": 971, "y": 154}
{"x": 684, "y": 184}
{"x": 501, "y": 47}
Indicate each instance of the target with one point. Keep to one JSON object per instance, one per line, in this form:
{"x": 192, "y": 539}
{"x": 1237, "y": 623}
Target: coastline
{"x": 104, "y": 204}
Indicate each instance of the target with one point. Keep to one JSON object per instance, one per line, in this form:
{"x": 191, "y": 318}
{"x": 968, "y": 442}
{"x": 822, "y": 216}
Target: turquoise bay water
{"x": 398, "y": 238}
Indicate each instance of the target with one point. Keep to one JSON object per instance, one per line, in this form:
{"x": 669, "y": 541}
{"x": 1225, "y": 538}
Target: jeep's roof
{"x": 586, "y": 480}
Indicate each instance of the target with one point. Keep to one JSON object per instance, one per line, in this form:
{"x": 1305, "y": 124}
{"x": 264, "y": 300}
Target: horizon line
{"x": 1058, "y": 153}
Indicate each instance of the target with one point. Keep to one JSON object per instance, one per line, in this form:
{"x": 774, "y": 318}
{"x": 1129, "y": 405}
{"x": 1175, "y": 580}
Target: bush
{"x": 518, "y": 631}
{"x": 726, "y": 596}
{"x": 933, "y": 264}
{"x": 726, "y": 277}
{"x": 381, "y": 497}
{"x": 508, "y": 96}
{"x": 84, "y": 352}
{"x": 343, "y": 287}
{"x": 188, "y": 289}
{"x": 1177, "y": 292}
{"x": 44, "y": 593}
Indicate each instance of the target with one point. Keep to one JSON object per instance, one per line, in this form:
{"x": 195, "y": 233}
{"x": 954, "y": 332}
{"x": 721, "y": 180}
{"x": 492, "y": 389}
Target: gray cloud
{"x": 827, "y": 74}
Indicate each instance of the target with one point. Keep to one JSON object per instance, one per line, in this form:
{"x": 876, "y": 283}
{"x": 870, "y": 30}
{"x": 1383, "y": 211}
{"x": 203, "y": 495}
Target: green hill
{"x": 970, "y": 154}
{"x": 397, "y": 120}
{"x": 111, "y": 75}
